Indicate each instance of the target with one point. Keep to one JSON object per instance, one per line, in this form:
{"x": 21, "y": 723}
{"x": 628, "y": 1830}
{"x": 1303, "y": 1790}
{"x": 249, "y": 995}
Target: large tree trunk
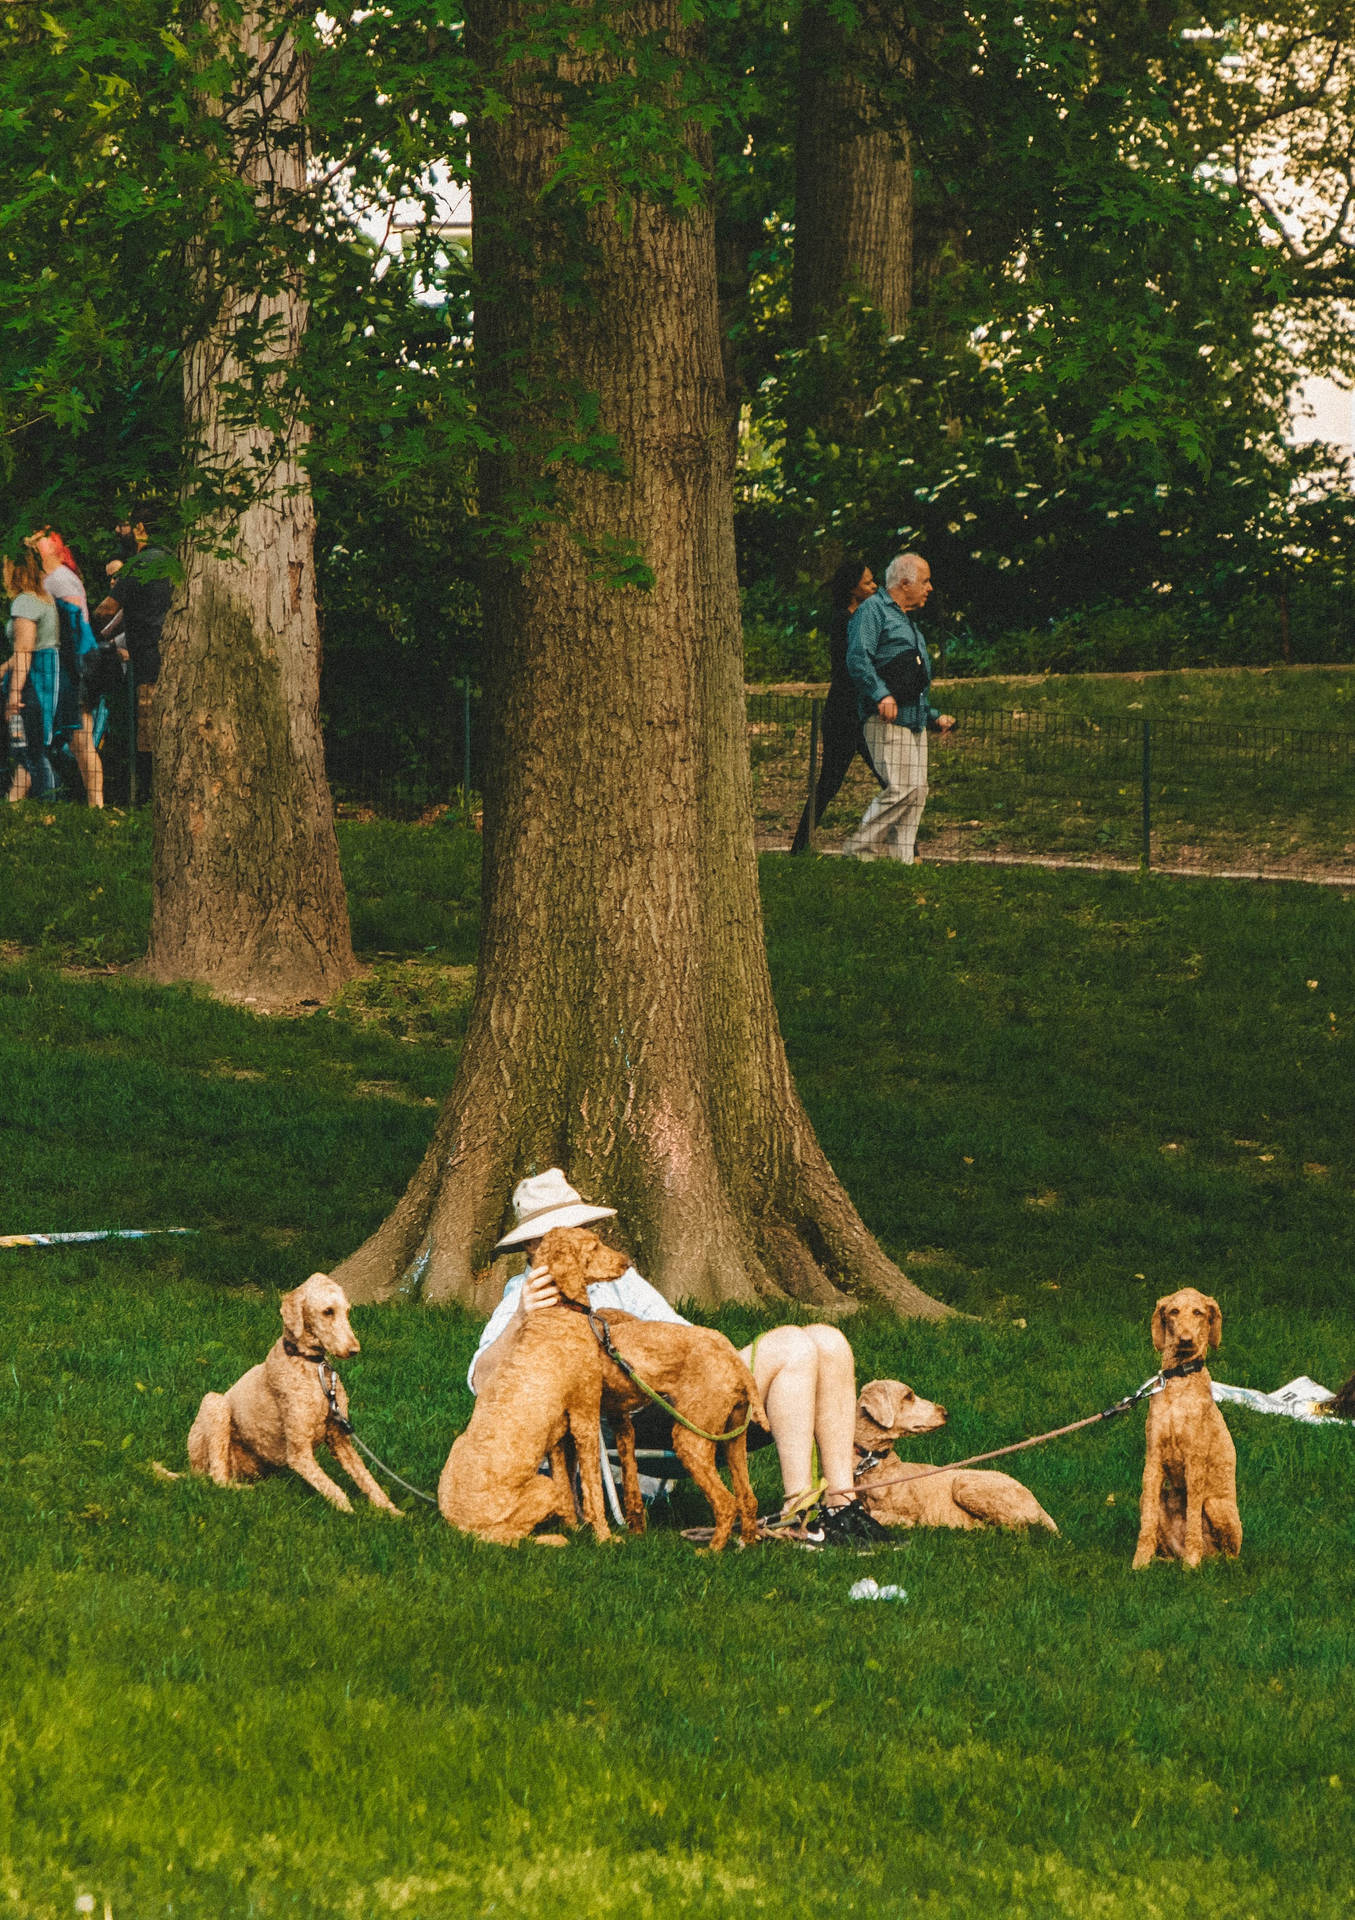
{"x": 247, "y": 893}
{"x": 853, "y": 174}
{"x": 623, "y": 1025}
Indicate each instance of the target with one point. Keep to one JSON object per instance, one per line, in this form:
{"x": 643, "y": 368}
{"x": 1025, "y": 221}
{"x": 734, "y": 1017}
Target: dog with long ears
{"x": 1188, "y": 1510}
{"x": 278, "y": 1413}
{"x": 901, "y": 1493}
{"x": 547, "y": 1388}
{"x": 700, "y": 1375}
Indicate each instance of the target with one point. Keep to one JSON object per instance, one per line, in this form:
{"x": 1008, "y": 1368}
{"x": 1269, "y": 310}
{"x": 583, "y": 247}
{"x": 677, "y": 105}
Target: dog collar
{"x": 870, "y": 1457}
{"x": 1186, "y": 1367}
{"x": 290, "y": 1348}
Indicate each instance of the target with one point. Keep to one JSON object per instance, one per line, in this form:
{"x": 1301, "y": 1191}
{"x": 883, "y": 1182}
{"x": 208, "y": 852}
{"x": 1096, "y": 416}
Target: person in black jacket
{"x": 134, "y": 613}
{"x": 840, "y": 736}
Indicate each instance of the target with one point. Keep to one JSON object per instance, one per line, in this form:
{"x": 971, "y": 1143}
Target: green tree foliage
{"x": 1092, "y": 402}
{"x": 1117, "y": 286}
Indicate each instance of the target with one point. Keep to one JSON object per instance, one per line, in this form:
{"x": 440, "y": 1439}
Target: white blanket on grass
{"x": 1299, "y": 1400}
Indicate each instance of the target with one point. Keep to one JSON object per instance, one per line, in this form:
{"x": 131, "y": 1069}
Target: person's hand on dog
{"x": 538, "y": 1290}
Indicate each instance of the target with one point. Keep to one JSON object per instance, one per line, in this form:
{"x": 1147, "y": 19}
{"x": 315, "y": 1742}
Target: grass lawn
{"x": 1251, "y": 769}
{"x": 1054, "y": 1095}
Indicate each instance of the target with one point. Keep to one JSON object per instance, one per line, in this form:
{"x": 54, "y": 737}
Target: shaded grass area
{"x": 1054, "y": 768}
{"x": 76, "y": 886}
{"x": 1058, "y": 1096}
{"x": 1321, "y": 697}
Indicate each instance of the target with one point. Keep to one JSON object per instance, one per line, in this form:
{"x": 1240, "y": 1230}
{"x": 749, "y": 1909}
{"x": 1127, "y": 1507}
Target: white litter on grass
{"x": 872, "y": 1590}
{"x": 1299, "y": 1400}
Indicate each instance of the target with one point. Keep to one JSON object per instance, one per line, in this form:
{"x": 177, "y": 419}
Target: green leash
{"x": 604, "y": 1340}
{"x": 653, "y": 1394}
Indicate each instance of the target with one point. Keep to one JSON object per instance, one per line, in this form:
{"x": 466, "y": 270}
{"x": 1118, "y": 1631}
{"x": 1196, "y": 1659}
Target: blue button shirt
{"x": 878, "y": 632}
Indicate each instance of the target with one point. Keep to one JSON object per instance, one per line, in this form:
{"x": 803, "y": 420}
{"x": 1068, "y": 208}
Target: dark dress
{"x": 840, "y": 736}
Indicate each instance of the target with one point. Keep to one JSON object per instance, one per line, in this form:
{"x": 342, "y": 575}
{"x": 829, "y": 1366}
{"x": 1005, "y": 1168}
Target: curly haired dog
{"x": 966, "y": 1497}
{"x": 698, "y": 1371}
{"x": 548, "y": 1387}
{"x": 278, "y": 1413}
{"x": 1189, "y": 1506}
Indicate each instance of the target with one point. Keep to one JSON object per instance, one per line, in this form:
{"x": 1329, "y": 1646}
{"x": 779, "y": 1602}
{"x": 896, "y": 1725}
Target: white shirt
{"x": 64, "y": 583}
{"x": 630, "y": 1294}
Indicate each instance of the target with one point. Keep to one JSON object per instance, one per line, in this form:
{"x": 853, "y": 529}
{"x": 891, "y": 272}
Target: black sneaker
{"x": 846, "y": 1526}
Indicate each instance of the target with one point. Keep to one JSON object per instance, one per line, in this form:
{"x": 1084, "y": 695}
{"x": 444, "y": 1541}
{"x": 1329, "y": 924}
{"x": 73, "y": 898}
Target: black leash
{"x": 329, "y": 1380}
{"x": 1130, "y": 1401}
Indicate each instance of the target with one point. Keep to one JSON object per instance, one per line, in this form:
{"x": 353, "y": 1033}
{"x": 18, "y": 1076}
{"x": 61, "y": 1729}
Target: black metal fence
{"x": 1123, "y": 790}
{"x": 1120, "y": 790}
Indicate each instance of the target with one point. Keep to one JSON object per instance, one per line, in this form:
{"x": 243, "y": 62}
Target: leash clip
{"x": 329, "y": 1381}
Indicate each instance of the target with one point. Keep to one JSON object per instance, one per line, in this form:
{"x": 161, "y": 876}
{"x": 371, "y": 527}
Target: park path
{"x": 1310, "y": 876}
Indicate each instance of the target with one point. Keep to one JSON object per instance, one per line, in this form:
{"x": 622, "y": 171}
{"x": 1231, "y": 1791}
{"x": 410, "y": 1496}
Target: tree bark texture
{"x": 853, "y": 175}
{"x": 623, "y": 1026}
{"x": 247, "y": 895}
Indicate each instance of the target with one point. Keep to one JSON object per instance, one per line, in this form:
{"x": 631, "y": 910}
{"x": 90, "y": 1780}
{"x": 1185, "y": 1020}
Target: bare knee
{"x": 831, "y": 1346}
{"x": 783, "y": 1350}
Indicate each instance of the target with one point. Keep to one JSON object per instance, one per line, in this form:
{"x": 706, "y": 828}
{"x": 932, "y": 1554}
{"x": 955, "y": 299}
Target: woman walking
{"x": 841, "y": 735}
{"x": 79, "y": 724}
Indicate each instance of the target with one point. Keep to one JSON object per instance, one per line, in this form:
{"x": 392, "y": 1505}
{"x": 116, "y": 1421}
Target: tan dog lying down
{"x": 547, "y": 1387}
{"x": 278, "y": 1413}
{"x": 1188, "y": 1510}
{"x": 698, "y": 1371}
{"x": 966, "y": 1497}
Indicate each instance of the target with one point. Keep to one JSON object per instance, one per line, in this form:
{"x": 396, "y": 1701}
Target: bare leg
{"x": 806, "y": 1377}
{"x": 835, "y": 1407}
{"x": 87, "y": 759}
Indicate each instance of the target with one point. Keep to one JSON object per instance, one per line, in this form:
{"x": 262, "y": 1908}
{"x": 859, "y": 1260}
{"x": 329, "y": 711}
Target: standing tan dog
{"x": 699, "y": 1372}
{"x": 1189, "y": 1506}
{"x": 278, "y": 1413}
{"x": 547, "y": 1387}
{"x": 966, "y": 1497}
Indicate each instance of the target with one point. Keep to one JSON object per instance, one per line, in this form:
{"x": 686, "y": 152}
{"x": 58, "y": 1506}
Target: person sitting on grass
{"x": 806, "y": 1375}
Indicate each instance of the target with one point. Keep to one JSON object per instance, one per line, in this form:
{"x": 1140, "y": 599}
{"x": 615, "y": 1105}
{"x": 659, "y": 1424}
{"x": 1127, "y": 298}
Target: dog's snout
{"x": 941, "y": 1410}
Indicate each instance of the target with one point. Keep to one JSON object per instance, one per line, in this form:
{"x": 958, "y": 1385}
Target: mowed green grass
{"x": 1053, "y": 1096}
{"x": 1251, "y": 769}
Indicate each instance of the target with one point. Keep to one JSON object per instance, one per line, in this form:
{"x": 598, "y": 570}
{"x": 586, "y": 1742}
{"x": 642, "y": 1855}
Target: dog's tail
{"x": 757, "y": 1413}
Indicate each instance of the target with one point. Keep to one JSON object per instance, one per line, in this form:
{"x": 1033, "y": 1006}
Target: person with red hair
{"x": 77, "y": 726}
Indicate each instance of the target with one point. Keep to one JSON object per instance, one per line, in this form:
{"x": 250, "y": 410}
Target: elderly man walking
{"x": 891, "y": 670}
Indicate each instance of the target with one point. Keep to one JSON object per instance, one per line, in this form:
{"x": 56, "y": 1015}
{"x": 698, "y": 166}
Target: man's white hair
{"x": 904, "y": 566}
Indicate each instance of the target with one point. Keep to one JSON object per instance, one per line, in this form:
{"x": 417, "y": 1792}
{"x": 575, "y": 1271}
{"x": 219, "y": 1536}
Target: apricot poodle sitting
{"x": 698, "y": 1372}
{"x": 278, "y": 1413}
{"x": 548, "y": 1388}
{"x": 1188, "y": 1510}
{"x": 900, "y": 1493}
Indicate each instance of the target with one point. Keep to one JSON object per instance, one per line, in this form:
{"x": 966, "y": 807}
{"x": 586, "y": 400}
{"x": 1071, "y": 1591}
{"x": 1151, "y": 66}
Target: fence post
{"x": 815, "y": 711}
{"x": 131, "y": 735}
{"x": 1146, "y": 857}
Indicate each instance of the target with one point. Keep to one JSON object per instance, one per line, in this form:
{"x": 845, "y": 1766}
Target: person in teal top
{"x": 32, "y": 674}
{"x": 882, "y": 637}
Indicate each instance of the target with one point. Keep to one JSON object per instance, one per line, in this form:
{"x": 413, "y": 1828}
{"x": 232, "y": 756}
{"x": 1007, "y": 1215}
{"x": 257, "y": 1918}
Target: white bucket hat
{"x": 547, "y": 1200}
